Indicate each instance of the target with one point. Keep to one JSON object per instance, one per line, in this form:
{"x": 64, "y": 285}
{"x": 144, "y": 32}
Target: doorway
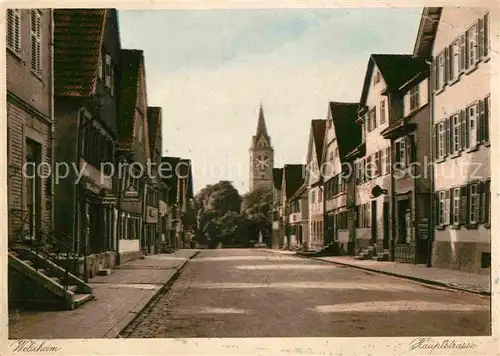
{"x": 33, "y": 188}
{"x": 386, "y": 211}
{"x": 403, "y": 221}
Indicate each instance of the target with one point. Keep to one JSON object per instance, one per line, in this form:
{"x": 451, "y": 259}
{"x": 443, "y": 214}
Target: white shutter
{"x": 36, "y": 42}
{"x": 14, "y": 30}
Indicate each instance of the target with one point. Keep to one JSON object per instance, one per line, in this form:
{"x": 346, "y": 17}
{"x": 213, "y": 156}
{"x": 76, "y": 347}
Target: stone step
{"x": 80, "y": 299}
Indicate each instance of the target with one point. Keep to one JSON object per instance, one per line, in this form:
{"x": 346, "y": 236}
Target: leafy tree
{"x": 256, "y": 207}
{"x": 218, "y": 213}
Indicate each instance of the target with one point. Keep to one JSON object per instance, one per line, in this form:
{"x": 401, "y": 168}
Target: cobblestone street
{"x": 251, "y": 293}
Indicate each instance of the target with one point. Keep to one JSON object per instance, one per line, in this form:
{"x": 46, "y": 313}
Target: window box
{"x": 471, "y": 226}
{"x": 440, "y": 227}
{"x": 455, "y": 226}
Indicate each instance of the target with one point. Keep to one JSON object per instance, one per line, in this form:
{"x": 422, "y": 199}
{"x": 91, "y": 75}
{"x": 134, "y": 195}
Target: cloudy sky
{"x": 210, "y": 69}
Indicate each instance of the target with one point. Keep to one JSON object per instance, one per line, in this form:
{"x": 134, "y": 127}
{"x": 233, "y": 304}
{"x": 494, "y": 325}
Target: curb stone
{"x": 116, "y": 331}
{"x": 399, "y": 275}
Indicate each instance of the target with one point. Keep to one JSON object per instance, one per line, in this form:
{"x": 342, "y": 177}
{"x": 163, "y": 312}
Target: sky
{"x": 210, "y": 70}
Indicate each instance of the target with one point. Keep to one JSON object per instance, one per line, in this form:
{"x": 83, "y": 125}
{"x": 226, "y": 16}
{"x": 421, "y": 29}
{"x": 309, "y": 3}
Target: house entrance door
{"x": 32, "y": 186}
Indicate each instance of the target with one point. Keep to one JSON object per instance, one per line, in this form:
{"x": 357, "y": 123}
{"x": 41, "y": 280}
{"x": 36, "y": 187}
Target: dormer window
{"x": 376, "y": 78}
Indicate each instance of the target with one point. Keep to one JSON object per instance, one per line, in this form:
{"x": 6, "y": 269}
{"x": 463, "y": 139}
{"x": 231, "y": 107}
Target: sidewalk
{"x": 119, "y": 297}
{"x": 469, "y": 282}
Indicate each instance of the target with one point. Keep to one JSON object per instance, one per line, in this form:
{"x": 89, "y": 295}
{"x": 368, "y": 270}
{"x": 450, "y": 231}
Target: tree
{"x": 256, "y": 207}
{"x": 218, "y": 212}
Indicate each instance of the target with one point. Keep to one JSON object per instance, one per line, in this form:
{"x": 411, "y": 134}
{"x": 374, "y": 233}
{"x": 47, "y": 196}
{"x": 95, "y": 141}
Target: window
{"x": 444, "y": 207}
{"x": 441, "y": 71}
{"x": 107, "y": 71}
{"x": 376, "y": 78}
{"x": 331, "y": 156}
{"x": 383, "y": 159}
{"x": 474, "y": 203}
{"x": 471, "y": 46}
{"x": 401, "y": 152}
{"x": 441, "y": 141}
{"x": 14, "y": 30}
{"x": 483, "y": 118}
{"x": 414, "y": 97}
{"x": 454, "y": 59}
{"x": 462, "y": 55}
{"x": 336, "y": 152}
{"x": 36, "y": 42}
{"x": 455, "y": 148}
{"x": 382, "y": 111}
{"x": 456, "y": 206}
{"x": 377, "y": 164}
{"x": 472, "y": 125}
{"x": 139, "y": 132}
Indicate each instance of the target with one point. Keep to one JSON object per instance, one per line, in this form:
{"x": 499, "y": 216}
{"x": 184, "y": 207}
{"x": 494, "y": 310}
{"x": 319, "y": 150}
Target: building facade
{"x": 86, "y": 131}
{"x": 30, "y": 123}
{"x": 298, "y": 207}
{"x": 461, "y": 110}
{"x": 341, "y": 136}
{"x": 132, "y": 156}
{"x": 314, "y": 183}
{"x": 261, "y": 156}
{"x": 293, "y": 179}
{"x": 277, "y": 210}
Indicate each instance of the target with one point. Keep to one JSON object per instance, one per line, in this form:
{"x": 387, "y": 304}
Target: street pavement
{"x": 252, "y": 293}
{"x": 119, "y": 298}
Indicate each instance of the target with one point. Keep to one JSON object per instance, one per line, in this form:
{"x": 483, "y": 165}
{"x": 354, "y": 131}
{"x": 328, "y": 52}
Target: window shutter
{"x": 466, "y": 56}
{"x": 447, "y": 207}
{"x": 479, "y": 39}
{"x": 17, "y": 30}
{"x": 434, "y": 78}
{"x": 468, "y": 204}
{"x": 447, "y": 143}
{"x": 479, "y": 106}
{"x": 451, "y": 196}
{"x": 398, "y": 152}
{"x": 446, "y": 65}
{"x": 486, "y": 123}
{"x": 481, "y": 121}
{"x": 478, "y": 203}
{"x": 487, "y": 205}
{"x": 463, "y": 205}
{"x": 486, "y": 42}
{"x": 482, "y": 202}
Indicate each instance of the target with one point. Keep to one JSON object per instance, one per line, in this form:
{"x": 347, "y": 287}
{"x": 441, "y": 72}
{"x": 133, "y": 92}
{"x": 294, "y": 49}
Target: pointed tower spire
{"x": 261, "y": 125}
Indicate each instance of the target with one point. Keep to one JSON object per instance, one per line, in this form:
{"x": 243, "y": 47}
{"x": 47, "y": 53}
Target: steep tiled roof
{"x": 131, "y": 61}
{"x": 318, "y": 129}
{"x": 154, "y": 124}
{"x": 396, "y": 69}
{"x": 277, "y": 177}
{"x": 77, "y": 44}
{"x": 294, "y": 178}
{"x": 347, "y": 132}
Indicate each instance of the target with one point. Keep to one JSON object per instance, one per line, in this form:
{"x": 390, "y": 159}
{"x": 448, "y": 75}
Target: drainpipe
{"x": 394, "y": 209}
{"x": 52, "y": 118}
{"x": 431, "y": 173}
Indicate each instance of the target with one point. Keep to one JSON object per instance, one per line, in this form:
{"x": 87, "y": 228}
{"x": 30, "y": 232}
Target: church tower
{"x": 261, "y": 156}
